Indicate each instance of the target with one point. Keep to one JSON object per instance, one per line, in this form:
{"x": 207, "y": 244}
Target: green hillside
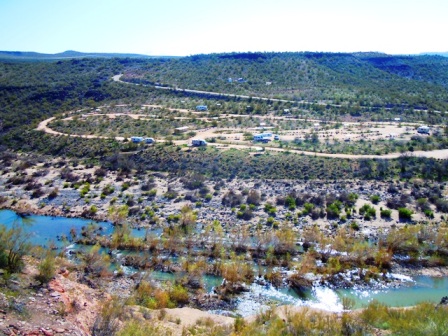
{"x": 348, "y": 83}
{"x": 367, "y": 79}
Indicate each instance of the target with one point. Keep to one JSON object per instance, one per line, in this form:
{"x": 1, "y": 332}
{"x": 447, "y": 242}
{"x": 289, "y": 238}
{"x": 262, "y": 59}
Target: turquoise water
{"x": 45, "y": 230}
{"x": 422, "y": 289}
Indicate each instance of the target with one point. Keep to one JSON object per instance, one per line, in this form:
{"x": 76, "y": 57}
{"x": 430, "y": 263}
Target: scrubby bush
{"x": 253, "y": 197}
{"x": 385, "y": 213}
{"x": 405, "y": 213}
{"x": 46, "y": 269}
{"x": 14, "y": 245}
{"x": 334, "y": 210}
{"x": 375, "y": 199}
{"x": 270, "y": 209}
{"x": 368, "y": 211}
{"x": 232, "y": 199}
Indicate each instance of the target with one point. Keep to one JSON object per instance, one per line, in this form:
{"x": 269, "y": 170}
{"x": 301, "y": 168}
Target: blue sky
{"x": 185, "y": 27}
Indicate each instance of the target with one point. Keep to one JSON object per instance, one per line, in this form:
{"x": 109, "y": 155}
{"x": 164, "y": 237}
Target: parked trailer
{"x": 201, "y": 108}
{"x": 423, "y": 130}
{"x": 149, "y": 140}
{"x": 264, "y": 137}
{"x": 198, "y": 142}
{"x": 136, "y": 139}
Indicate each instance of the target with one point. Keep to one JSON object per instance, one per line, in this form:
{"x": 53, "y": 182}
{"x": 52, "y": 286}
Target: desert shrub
{"x": 100, "y": 172}
{"x": 96, "y": 264}
{"x": 385, "y": 213}
{"x": 179, "y": 295}
{"x": 442, "y": 205}
{"x": 142, "y": 328}
{"x": 68, "y": 175}
{"x": 108, "y": 189}
{"x": 334, "y": 210}
{"x": 349, "y": 199}
{"x": 368, "y": 211}
{"x": 405, "y": 213}
{"x": 253, "y": 197}
{"x": 232, "y": 199}
{"x": 171, "y": 193}
{"x": 148, "y": 185}
{"x": 53, "y": 194}
{"x": 308, "y": 207}
{"x": 354, "y": 226}
{"x": 193, "y": 181}
{"x": 375, "y": 199}
{"x": 429, "y": 213}
{"x": 37, "y": 193}
{"x": 423, "y": 319}
{"x": 290, "y": 202}
{"x": 107, "y": 321}
{"x": 46, "y": 268}
{"x": 14, "y": 245}
{"x": 423, "y": 204}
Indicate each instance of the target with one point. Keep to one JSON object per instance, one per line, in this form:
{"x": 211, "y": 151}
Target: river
{"x": 47, "y": 230}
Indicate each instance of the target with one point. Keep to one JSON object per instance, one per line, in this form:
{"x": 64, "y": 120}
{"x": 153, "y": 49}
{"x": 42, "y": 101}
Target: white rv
{"x": 263, "y": 137}
{"x": 198, "y": 142}
{"x": 149, "y": 140}
{"x": 136, "y": 139}
{"x": 423, "y": 130}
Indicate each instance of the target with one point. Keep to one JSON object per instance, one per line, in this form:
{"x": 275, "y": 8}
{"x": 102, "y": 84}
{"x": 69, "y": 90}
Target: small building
{"x": 198, "y": 142}
{"x": 201, "y": 108}
{"x": 423, "y": 130}
{"x": 397, "y": 119}
{"x": 136, "y": 139}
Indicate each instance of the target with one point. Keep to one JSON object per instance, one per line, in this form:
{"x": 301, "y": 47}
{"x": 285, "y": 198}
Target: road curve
{"x": 117, "y": 78}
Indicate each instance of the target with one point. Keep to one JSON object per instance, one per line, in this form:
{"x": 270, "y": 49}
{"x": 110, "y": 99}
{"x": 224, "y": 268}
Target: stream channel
{"x": 48, "y": 230}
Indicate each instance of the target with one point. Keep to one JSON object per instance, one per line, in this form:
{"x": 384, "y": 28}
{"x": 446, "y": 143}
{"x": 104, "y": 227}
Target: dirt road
{"x": 436, "y": 154}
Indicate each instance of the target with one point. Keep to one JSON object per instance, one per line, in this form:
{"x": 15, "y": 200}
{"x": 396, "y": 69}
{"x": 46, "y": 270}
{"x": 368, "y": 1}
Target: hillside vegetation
{"x": 365, "y": 79}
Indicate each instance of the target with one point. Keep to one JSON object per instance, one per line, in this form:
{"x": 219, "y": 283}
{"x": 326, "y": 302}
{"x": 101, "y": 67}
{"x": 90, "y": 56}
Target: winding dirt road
{"x": 436, "y": 154}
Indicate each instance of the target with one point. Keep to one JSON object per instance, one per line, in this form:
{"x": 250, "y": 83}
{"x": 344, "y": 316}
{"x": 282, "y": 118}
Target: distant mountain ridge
{"x": 444, "y": 54}
{"x": 31, "y": 55}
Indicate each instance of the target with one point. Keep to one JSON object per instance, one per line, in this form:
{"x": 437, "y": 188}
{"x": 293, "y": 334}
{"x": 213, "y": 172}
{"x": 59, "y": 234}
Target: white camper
{"x": 198, "y": 142}
{"x": 423, "y": 130}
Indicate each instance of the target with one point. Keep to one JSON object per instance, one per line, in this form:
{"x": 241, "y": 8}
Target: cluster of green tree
{"x": 362, "y": 80}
